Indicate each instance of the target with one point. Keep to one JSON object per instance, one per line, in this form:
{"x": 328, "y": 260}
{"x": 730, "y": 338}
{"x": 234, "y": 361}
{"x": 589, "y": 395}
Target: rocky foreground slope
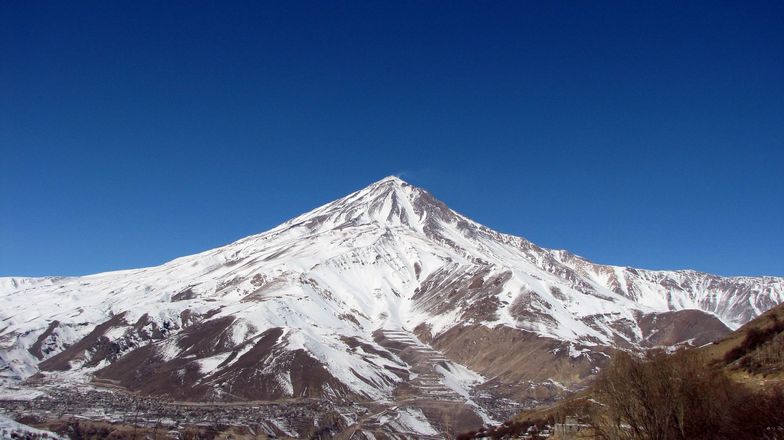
{"x": 385, "y": 296}
{"x": 729, "y": 389}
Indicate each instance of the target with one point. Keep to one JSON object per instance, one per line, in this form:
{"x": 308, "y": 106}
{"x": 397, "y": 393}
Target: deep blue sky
{"x": 648, "y": 134}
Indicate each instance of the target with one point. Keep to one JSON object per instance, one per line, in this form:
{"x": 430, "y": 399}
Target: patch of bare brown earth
{"x": 95, "y": 342}
{"x": 682, "y": 326}
{"x": 522, "y": 364}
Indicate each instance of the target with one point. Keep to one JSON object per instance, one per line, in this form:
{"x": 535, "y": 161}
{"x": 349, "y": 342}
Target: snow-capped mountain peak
{"x": 357, "y": 298}
{"x": 389, "y": 202}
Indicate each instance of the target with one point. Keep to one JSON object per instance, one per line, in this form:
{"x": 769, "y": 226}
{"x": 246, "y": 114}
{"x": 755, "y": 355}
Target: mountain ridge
{"x": 375, "y": 296}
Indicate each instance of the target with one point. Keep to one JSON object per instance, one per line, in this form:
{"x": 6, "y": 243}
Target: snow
{"x": 575, "y": 352}
{"x": 413, "y": 420}
{"x": 556, "y": 384}
{"x": 357, "y": 256}
{"x": 116, "y": 332}
{"x": 169, "y": 349}
{"x": 209, "y": 364}
{"x": 21, "y": 394}
{"x": 9, "y": 427}
{"x": 459, "y": 378}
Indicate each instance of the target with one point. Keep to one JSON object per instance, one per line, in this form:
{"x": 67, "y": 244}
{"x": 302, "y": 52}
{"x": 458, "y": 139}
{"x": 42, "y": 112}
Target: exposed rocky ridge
{"x": 301, "y": 311}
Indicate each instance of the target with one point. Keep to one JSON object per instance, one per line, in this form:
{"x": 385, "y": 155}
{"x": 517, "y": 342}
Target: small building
{"x": 569, "y": 429}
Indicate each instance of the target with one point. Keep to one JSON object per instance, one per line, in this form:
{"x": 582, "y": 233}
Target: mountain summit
{"x": 383, "y": 297}
{"x": 390, "y": 202}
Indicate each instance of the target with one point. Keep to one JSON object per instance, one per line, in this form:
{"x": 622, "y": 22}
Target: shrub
{"x": 677, "y": 398}
{"x": 754, "y": 339}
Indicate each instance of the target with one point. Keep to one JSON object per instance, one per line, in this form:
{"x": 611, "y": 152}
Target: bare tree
{"x": 678, "y": 397}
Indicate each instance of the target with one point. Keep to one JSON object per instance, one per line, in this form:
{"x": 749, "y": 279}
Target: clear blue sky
{"x": 648, "y": 134}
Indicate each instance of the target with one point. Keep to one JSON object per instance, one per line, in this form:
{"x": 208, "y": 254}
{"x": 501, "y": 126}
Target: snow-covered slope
{"x": 13, "y": 430}
{"x": 297, "y": 310}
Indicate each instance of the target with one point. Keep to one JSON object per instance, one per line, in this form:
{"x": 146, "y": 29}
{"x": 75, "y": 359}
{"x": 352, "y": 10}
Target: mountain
{"x": 383, "y": 297}
{"x": 731, "y": 388}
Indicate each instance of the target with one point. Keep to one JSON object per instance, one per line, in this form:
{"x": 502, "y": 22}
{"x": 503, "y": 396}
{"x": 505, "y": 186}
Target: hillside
{"x": 747, "y": 364}
{"x": 382, "y": 305}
